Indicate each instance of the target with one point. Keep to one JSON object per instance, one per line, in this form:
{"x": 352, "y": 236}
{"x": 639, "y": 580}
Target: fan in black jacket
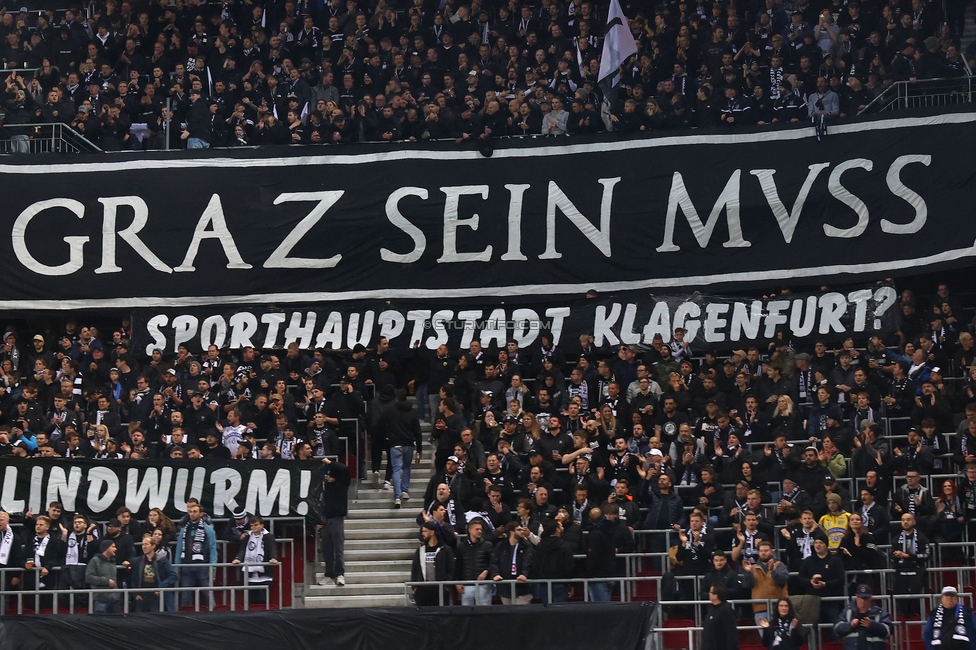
{"x": 719, "y": 627}
{"x": 11, "y": 553}
{"x": 471, "y": 563}
{"x": 553, "y": 561}
{"x": 432, "y": 554}
{"x": 43, "y": 556}
{"x": 513, "y": 559}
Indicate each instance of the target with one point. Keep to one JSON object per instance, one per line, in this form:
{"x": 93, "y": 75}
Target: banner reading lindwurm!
{"x": 98, "y": 488}
{"x": 710, "y": 321}
{"x": 317, "y": 225}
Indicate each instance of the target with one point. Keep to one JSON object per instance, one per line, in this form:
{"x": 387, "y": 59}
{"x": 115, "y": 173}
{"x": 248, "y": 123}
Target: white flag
{"x": 618, "y": 44}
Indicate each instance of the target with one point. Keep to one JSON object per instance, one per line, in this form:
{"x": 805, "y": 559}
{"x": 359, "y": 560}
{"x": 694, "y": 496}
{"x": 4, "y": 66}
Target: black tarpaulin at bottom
{"x": 618, "y": 626}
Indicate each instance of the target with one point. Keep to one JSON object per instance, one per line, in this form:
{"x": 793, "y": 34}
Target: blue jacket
{"x": 210, "y": 539}
{"x": 676, "y": 511}
{"x": 970, "y": 628}
{"x": 165, "y": 573}
{"x": 878, "y": 632}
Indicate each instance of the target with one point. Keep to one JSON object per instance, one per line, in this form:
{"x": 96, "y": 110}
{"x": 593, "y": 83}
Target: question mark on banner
{"x": 886, "y": 298}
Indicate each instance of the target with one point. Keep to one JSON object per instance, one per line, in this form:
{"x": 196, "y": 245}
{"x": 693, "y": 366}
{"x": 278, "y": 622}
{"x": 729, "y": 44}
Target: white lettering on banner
{"x": 130, "y": 235}
{"x": 143, "y": 488}
{"x": 261, "y": 496}
{"x": 154, "y": 485}
{"x": 678, "y": 198}
{"x": 273, "y": 321}
{"x": 604, "y": 323}
{"x": 34, "y": 502}
{"x": 76, "y": 243}
{"x": 227, "y": 483}
{"x": 899, "y": 189}
{"x": 63, "y": 489}
{"x": 279, "y": 258}
{"x": 213, "y": 331}
{"x": 243, "y": 325}
{"x": 452, "y": 222}
{"x": 391, "y": 324}
{"x": 103, "y": 488}
{"x": 885, "y": 296}
{"x": 397, "y": 219}
{"x": 802, "y": 327}
{"x": 706, "y": 321}
{"x": 298, "y": 333}
{"x": 184, "y": 329}
{"x": 558, "y": 199}
{"x": 514, "y": 252}
{"x": 714, "y": 321}
{"x": 844, "y": 195}
{"x": 787, "y": 221}
{"x": 8, "y": 500}
{"x": 213, "y": 224}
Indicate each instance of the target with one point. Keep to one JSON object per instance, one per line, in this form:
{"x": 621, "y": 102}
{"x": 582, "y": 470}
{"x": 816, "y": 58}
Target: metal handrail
{"x": 124, "y": 592}
{"x": 898, "y": 94}
{"x": 49, "y": 137}
{"x": 514, "y": 584}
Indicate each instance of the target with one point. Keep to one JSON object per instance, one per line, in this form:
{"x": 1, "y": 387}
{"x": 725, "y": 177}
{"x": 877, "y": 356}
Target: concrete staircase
{"x": 380, "y": 543}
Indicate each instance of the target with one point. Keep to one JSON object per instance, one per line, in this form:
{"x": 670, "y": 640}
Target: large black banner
{"x": 634, "y": 318}
{"x": 388, "y": 628}
{"x": 269, "y": 488}
{"x": 319, "y": 225}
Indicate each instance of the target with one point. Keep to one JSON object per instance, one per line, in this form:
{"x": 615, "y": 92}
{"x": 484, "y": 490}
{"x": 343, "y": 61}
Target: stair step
{"x": 407, "y": 512}
{"x": 402, "y": 534}
{"x": 380, "y": 496}
{"x": 381, "y": 554}
{"x": 357, "y": 566}
{"x": 352, "y": 589}
{"x": 374, "y": 577}
{"x": 374, "y": 544}
{"x": 386, "y": 503}
{"x": 354, "y": 601}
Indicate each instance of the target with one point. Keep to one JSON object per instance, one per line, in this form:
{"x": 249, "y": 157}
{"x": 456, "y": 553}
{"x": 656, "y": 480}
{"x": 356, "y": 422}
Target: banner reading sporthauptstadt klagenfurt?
{"x": 546, "y": 218}
{"x": 709, "y": 321}
{"x": 98, "y": 488}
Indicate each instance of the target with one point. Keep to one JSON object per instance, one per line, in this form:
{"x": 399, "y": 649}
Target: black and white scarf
{"x": 77, "y": 550}
{"x": 6, "y": 544}
{"x": 910, "y": 496}
{"x": 255, "y": 553}
{"x": 40, "y": 548}
{"x": 194, "y": 540}
{"x": 910, "y": 547}
{"x": 959, "y": 633}
{"x": 784, "y": 626}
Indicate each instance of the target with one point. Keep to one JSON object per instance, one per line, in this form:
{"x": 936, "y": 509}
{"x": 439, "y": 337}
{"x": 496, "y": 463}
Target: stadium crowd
{"x": 241, "y": 73}
{"x": 782, "y": 471}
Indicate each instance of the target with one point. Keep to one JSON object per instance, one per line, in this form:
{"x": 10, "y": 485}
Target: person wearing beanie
{"x": 789, "y": 106}
{"x": 836, "y": 522}
{"x": 102, "y": 574}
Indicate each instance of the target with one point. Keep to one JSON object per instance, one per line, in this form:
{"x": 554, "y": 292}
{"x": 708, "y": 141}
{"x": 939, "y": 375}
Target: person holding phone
{"x": 864, "y": 624}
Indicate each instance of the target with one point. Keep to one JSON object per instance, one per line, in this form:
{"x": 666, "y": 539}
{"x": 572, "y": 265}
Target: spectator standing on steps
{"x": 333, "y": 508}
{"x": 401, "y": 426}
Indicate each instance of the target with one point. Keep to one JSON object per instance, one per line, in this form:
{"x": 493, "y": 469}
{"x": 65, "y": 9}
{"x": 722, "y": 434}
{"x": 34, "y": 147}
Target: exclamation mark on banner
{"x": 305, "y": 479}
